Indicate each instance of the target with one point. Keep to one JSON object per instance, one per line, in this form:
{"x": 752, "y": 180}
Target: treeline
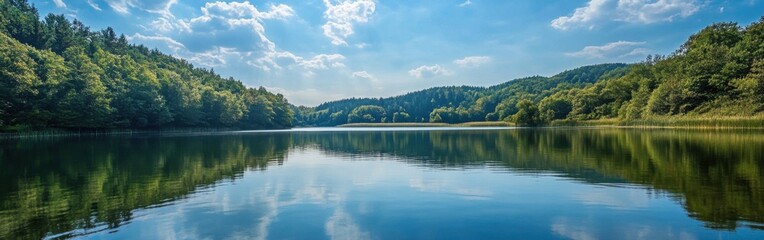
{"x": 717, "y": 73}
{"x": 57, "y": 73}
{"x": 455, "y": 104}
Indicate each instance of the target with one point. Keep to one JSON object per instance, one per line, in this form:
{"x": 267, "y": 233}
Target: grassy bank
{"x": 587, "y": 123}
{"x": 685, "y": 122}
{"x": 673, "y": 122}
{"x": 467, "y": 124}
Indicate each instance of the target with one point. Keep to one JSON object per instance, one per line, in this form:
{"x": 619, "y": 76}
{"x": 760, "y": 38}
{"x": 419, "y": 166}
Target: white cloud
{"x": 94, "y": 5}
{"x": 582, "y": 15}
{"x": 429, "y": 71}
{"x": 309, "y": 96}
{"x": 364, "y": 75}
{"x": 274, "y": 59}
{"x": 124, "y": 7}
{"x": 59, "y": 3}
{"x": 342, "y": 15}
{"x": 620, "y": 49}
{"x": 472, "y": 61}
{"x": 171, "y": 43}
{"x": 215, "y": 57}
{"x": 637, "y": 52}
{"x": 235, "y": 14}
{"x": 120, "y": 6}
{"x": 466, "y": 3}
{"x": 633, "y": 11}
{"x": 323, "y": 61}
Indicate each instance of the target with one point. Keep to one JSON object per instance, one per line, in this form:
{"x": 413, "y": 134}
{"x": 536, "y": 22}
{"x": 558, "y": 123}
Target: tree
{"x": 401, "y": 117}
{"x": 367, "y": 114}
{"x": 18, "y": 81}
{"x": 59, "y": 34}
{"x": 85, "y": 104}
{"x": 752, "y": 86}
{"x": 555, "y": 107}
{"x": 527, "y": 114}
{"x": 57, "y": 73}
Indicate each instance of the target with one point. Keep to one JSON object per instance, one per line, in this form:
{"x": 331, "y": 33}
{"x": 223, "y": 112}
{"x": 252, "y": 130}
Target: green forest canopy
{"x": 57, "y": 73}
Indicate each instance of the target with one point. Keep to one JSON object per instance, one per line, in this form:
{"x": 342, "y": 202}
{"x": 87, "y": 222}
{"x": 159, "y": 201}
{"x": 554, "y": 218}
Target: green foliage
{"x": 554, "y": 107}
{"x": 462, "y": 104}
{"x": 449, "y": 115}
{"x": 367, "y": 114}
{"x": 57, "y": 73}
{"x": 401, "y": 117}
{"x": 527, "y": 114}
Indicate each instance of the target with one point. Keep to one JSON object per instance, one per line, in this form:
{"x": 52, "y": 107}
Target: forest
{"x": 56, "y": 73}
{"x": 717, "y": 73}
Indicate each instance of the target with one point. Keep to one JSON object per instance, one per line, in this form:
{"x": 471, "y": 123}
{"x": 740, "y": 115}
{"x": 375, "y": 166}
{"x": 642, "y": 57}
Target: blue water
{"x": 388, "y": 184}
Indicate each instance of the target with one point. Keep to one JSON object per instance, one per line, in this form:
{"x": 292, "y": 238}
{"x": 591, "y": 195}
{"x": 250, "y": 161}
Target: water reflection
{"x": 362, "y": 182}
{"x": 716, "y": 174}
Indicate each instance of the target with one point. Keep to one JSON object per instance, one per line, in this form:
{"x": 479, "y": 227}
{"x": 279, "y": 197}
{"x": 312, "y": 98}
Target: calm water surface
{"x": 387, "y": 184}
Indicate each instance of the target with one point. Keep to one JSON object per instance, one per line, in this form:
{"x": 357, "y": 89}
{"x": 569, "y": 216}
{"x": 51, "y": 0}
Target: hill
{"x": 454, "y": 104}
{"x": 58, "y": 74}
{"x": 717, "y": 75}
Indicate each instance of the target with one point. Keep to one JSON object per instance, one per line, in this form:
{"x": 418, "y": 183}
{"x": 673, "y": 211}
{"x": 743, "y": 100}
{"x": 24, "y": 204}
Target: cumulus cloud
{"x": 466, "y": 3}
{"x": 633, "y": 11}
{"x": 363, "y": 75}
{"x": 341, "y": 16}
{"x": 225, "y": 16}
{"x": 429, "y": 71}
{"x": 274, "y": 59}
{"x": 215, "y": 57}
{"x": 614, "y": 49}
{"x": 59, "y": 3}
{"x": 472, "y": 61}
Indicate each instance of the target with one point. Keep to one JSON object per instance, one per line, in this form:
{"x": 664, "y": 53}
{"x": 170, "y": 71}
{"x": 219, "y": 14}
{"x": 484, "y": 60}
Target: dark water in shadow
{"x": 387, "y": 184}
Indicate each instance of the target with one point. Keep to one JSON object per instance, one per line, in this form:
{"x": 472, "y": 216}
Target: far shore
{"x": 467, "y": 124}
{"x": 655, "y": 123}
{"x": 754, "y": 123}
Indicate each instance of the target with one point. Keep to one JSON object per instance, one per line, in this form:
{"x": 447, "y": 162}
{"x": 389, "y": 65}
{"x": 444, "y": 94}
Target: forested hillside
{"x": 718, "y": 73}
{"x": 59, "y": 74}
{"x": 455, "y": 104}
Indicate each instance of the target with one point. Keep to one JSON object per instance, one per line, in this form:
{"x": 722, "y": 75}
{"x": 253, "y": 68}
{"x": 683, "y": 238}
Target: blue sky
{"x": 314, "y": 51}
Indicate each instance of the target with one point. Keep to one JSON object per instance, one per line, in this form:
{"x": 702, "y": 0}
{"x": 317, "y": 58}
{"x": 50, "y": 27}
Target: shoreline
{"x": 754, "y": 123}
{"x": 467, "y": 124}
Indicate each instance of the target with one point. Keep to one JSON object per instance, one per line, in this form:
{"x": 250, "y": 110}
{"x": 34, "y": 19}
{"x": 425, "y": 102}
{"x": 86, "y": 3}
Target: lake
{"x": 412, "y": 183}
